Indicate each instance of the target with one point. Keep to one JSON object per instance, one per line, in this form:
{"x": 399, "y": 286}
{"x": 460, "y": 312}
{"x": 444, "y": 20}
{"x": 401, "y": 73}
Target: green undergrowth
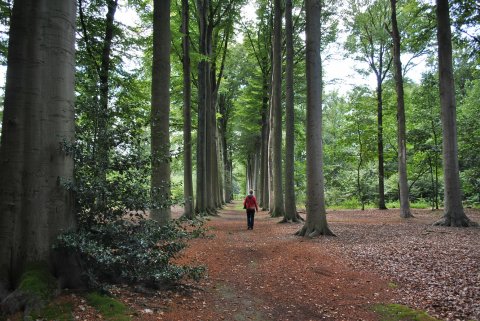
{"x": 419, "y": 204}
{"x": 397, "y": 312}
{"x": 239, "y": 206}
{"x": 110, "y": 308}
{"x": 37, "y": 280}
{"x": 55, "y": 311}
{"x": 353, "y": 204}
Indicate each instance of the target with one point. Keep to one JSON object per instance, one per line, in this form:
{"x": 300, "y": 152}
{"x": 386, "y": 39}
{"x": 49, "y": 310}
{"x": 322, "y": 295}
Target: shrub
{"x": 133, "y": 252}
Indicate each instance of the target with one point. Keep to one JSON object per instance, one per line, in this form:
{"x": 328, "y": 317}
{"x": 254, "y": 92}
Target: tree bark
{"x": 316, "y": 223}
{"x": 264, "y": 146}
{"x": 210, "y": 119}
{"x": 38, "y": 120}
{"x": 276, "y": 130}
{"x": 360, "y": 192}
{"x": 187, "y": 117}
{"x": 381, "y": 168}
{"x": 222, "y": 106}
{"x": 271, "y": 192}
{"x": 103, "y": 143}
{"x": 290, "y": 213}
{"x": 201, "y": 206}
{"x": 437, "y": 161}
{"x": 160, "y": 113}
{"x": 401, "y": 127}
{"x": 454, "y": 214}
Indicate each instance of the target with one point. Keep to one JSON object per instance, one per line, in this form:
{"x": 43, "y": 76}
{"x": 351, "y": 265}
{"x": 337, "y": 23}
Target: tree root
{"x": 297, "y": 219}
{"x": 314, "y": 231}
{"x": 406, "y": 214}
{"x": 3, "y": 291}
{"x": 20, "y": 300}
{"x": 460, "y": 222}
{"x": 275, "y": 214}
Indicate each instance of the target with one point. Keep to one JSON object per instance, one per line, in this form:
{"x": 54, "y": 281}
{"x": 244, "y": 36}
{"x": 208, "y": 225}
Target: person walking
{"x": 250, "y": 204}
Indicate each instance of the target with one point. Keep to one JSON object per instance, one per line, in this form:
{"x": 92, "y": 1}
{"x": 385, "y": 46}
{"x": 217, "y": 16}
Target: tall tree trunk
{"x": 160, "y": 113}
{"x": 316, "y": 223}
{"x": 434, "y": 192}
{"x": 251, "y": 173}
{"x": 227, "y": 177}
{"x": 210, "y": 119}
{"x": 216, "y": 168}
{"x": 222, "y": 106}
{"x": 381, "y": 168}
{"x": 221, "y": 176}
{"x": 437, "y": 161}
{"x": 103, "y": 143}
{"x": 258, "y": 166}
{"x": 278, "y": 208}
{"x": 271, "y": 192}
{"x": 401, "y": 135}
{"x": 38, "y": 119}
{"x": 361, "y": 197}
{"x": 290, "y": 213}
{"x": 187, "y": 118}
{"x": 453, "y": 213}
{"x": 212, "y": 144}
{"x": 264, "y": 147}
{"x": 201, "y": 204}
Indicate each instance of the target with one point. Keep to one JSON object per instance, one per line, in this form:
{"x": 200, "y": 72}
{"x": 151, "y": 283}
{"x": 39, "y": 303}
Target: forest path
{"x": 269, "y": 274}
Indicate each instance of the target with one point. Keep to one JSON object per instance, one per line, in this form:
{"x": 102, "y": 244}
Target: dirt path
{"x": 269, "y": 274}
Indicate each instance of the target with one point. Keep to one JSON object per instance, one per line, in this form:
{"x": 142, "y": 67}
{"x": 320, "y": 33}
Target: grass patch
{"x": 353, "y": 204}
{"x": 419, "y": 204}
{"x": 110, "y": 308}
{"x": 397, "y": 312}
{"x": 392, "y": 285}
{"x": 239, "y": 207}
{"x": 57, "y": 312}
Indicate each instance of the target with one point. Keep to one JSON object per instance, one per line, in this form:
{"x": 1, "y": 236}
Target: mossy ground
{"x": 37, "y": 280}
{"x": 398, "y": 312}
{"x": 55, "y": 311}
{"x": 110, "y": 308}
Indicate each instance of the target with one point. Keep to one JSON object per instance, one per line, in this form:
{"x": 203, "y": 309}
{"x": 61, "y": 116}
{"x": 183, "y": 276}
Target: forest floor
{"x": 269, "y": 274}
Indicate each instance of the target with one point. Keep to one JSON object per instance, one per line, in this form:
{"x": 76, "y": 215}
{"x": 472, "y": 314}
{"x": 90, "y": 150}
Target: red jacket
{"x": 250, "y": 202}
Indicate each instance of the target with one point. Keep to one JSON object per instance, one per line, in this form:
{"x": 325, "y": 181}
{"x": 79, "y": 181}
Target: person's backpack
{"x": 249, "y": 203}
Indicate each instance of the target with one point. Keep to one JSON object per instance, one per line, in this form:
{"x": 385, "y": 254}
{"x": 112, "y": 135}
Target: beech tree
{"x": 260, "y": 44}
{"x": 215, "y": 24}
{"x": 401, "y": 127}
{"x": 290, "y": 212}
{"x": 38, "y": 120}
{"x": 160, "y": 134}
{"x": 201, "y": 180}
{"x": 454, "y": 214}
{"x": 277, "y": 208}
{"x": 316, "y": 222}
{"x": 187, "y": 118}
{"x": 371, "y": 41}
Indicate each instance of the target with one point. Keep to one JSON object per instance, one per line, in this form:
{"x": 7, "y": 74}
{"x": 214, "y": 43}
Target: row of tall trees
{"x": 379, "y": 35}
{"x": 135, "y": 104}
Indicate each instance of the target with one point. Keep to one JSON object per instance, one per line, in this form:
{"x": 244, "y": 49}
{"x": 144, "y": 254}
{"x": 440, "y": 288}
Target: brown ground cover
{"x": 270, "y": 274}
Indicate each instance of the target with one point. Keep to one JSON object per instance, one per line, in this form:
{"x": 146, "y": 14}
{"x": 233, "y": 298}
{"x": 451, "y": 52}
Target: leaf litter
{"x": 270, "y": 274}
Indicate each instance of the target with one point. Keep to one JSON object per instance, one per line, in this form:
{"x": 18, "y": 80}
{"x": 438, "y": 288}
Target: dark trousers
{"x": 250, "y": 217}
